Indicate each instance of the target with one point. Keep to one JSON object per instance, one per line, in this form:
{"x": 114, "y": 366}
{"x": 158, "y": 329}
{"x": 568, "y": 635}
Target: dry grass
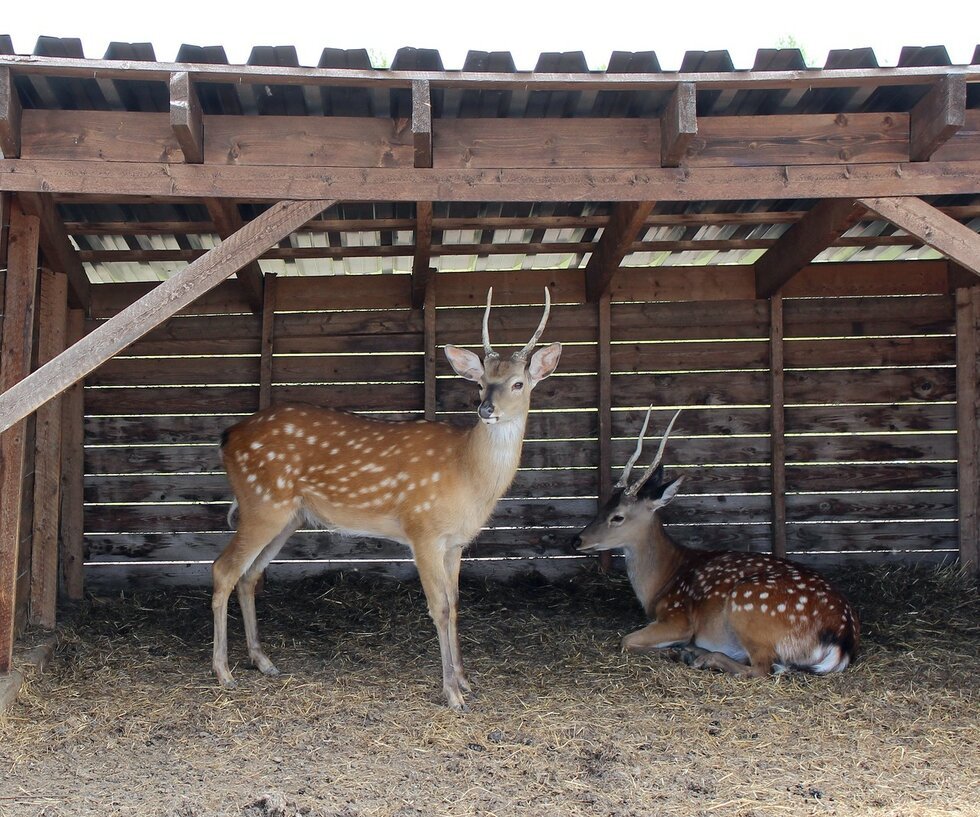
{"x": 128, "y": 719}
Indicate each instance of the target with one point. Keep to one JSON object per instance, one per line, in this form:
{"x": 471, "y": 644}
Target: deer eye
{"x": 518, "y": 385}
{"x": 617, "y": 519}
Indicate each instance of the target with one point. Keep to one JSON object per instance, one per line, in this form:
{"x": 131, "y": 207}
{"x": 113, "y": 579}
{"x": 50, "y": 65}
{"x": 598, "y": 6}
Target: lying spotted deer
{"x": 428, "y": 485}
{"x": 722, "y": 607}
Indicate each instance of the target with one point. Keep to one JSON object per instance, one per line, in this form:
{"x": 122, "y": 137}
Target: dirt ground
{"x": 128, "y": 720}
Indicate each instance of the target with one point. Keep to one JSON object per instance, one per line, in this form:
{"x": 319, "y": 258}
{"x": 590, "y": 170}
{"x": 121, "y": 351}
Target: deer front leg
{"x": 452, "y": 560}
{"x": 658, "y": 635}
{"x": 435, "y": 582}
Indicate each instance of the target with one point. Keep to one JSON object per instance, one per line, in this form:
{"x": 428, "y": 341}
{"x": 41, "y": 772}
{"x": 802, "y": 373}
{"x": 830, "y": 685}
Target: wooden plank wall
{"x": 870, "y": 422}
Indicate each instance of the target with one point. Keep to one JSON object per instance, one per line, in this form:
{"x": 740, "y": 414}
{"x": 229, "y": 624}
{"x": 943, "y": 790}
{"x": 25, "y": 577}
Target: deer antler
{"x": 634, "y": 489}
{"x": 487, "y": 348}
{"x": 621, "y": 483}
{"x": 523, "y": 353}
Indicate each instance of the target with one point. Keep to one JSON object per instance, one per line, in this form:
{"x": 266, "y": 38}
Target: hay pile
{"x": 128, "y": 719}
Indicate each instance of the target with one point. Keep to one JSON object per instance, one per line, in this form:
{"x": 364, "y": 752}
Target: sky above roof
{"x": 523, "y": 28}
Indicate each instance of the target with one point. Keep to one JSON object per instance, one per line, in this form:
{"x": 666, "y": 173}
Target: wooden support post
{"x": 15, "y": 364}
{"x": 73, "y": 475}
{"x": 53, "y": 315}
{"x": 937, "y": 117}
{"x": 678, "y": 124}
{"x": 777, "y": 426}
{"x": 422, "y": 122}
{"x": 162, "y": 302}
{"x": 56, "y": 246}
{"x": 10, "y": 114}
{"x": 967, "y": 419}
{"x": 185, "y": 117}
{"x": 626, "y": 222}
{"x": 429, "y": 340}
{"x": 605, "y": 411}
{"x": 268, "y": 340}
{"x": 935, "y": 228}
{"x": 421, "y": 269}
{"x": 826, "y": 221}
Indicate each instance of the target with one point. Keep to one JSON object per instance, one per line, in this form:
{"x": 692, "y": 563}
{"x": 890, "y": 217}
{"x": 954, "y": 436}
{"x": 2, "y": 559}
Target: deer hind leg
{"x": 453, "y": 560}
{"x": 256, "y": 530}
{"x": 246, "y": 599}
{"x": 440, "y": 597}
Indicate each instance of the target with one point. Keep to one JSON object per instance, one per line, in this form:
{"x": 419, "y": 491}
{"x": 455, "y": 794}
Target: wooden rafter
{"x": 925, "y": 222}
{"x": 59, "y": 252}
{"x": 421, "y": 263}
{"x": 678, "y": 124}
{"x": 164, "y": 301}
{"x": 228, "y": 221}
{"x": 625, "y": 223}
{"x": 803, "y": 242}
{"x": 937, "y": 117}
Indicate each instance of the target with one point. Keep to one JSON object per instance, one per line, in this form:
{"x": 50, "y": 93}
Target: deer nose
{"x": 575, "y": 542}
{"x": 486, "y": 410}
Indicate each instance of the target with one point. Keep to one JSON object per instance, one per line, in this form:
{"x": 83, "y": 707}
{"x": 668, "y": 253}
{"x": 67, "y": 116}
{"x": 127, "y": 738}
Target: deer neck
{"x": 653, "y": 563}
{"x": 492, "y": 453}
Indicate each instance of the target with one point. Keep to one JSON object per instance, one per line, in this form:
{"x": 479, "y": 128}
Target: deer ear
{"x": 465, "y": 363}
{"x": 670, "y": 492}
{"x": 543, "y": 363}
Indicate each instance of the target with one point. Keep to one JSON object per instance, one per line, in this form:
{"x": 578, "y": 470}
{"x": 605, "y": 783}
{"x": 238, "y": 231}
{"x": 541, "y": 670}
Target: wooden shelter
{"x": 791, "y": 254}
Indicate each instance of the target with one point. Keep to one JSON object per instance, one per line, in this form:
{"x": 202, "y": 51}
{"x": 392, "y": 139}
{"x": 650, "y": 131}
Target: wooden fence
{"x": 869, "y": 451}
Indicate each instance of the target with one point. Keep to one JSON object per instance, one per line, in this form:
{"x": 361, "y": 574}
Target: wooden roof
{"x": 486, "y": 168}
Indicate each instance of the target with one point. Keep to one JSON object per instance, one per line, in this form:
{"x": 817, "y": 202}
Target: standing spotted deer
{"x": 428, "y": 485}
{"x": 723, "y": 608}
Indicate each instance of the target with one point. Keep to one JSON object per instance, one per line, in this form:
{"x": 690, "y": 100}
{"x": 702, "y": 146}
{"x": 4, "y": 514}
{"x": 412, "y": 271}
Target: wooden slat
{"x": 871, "y": 448}
{"x": 858, "y": 507}
{"x": 885, "y": 536}
{"x": 167, "y": 299}
{"x": 832, "y": 476}
{"x": 625, "y": 223}
{"x": 937, "y": 117}
{"x": 967, "y": 421}
{"x": 186, "y": 118}
{"x": 73, "y": 475}
{"x": 868, "y": 386}
{"x": 823, "y": 318}
{"x": 939, "y": 231}
{"x": 777, "y": 433}
{"x": 802, "y": 242}
{"x": 871, "y": 351}
{"x": 10, "y": 115}
{"x": 15, "y": 355}
{"x": 266, "y": 374}
{"x": 886, "y": 418}
{"x": 422, "y": 272}
{"x": 53, "y": 315}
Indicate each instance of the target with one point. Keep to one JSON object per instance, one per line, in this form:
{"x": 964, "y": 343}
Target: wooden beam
{"x": 944, "y": 234}
{"x": 228, "y": 221}
{"x": 59, "y": 253}
{"x": 804, "y": 241}
{"x": 967, "y": 421}
{"x": 186, "y": 119}
{"x": 73, "y": 475}
{"x": 422, "y": 122}
{"x": 625, "y": 223}
{"x": 937, "y": 117}
{"x": 10, "y": 115}
{"x": 15, "y": 364}
{"x": 430, "y": 351}
{"x": 605, "y": 410}
{"x": 268, "y": 341}
{"x": 53, "y": 315}
{"x": 164, "y": 301}
{"x": 777, "y": 425}
{"x": 267, "y": 182}
{"x": 421, "y": 264}
{"x": 678, "y": 124}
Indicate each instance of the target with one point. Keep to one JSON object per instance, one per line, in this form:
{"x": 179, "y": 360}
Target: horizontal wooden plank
{"x": 833, "y": 476}
{"x": 699, "y": 450}
{"x": 513, "y": 326}
{"x": 896, "y": 536}
{"x": 150, "y": 459}
{"x": 483, "y": 143}
{"x": 729, "y": 141}
{"x": 567, "y": 392}
{"x": 862, "y": 278}
{"x": 106, "y": 136}
{"x": 691, "y": 389}
{"x": 962, "y": 144}
{"x": 840, "y": 317}
{"x": 870, "y": 385}
{"x": 163, "y": 429}
{"x": 717, "y": 421}
{"x": 567, "y": 286}
{"x": 177, "y": 400}
{"x": 158, "y": 488}
{"x": 348, "y": 323}
{"x": 110, "y": 299}
{"x": 689, "y": 321}
{"x": 664, "y": 357}
{"x": 871, "y": 448}
{"x": 881, "y": 418}
{"x": 702, "y": 283}
{"x": 867, "y": 506}
{"x": 310, "y": 141}
{"x": 869, "y": 351}
{"x": 376, "y": 368}
{"x": 191, "y": 371}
